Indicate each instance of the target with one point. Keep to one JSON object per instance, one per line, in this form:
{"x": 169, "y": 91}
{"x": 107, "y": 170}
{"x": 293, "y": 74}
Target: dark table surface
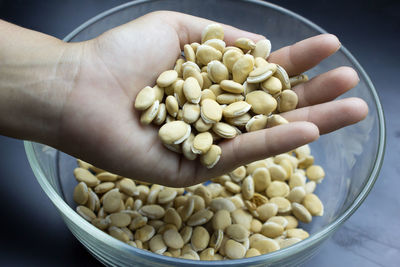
{"x": 33, "y": 234}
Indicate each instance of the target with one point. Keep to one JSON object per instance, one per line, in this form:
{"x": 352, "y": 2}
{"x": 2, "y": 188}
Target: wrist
{"x": 59, "y": 80}
{"x": 36, "y": 74}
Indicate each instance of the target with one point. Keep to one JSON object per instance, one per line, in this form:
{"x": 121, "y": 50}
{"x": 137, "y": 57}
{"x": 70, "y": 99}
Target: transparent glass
{"x": 352, "y": 156}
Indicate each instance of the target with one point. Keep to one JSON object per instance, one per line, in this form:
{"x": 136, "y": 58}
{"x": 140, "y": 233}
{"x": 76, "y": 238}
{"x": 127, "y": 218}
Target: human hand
{"x": 99, "y": 124}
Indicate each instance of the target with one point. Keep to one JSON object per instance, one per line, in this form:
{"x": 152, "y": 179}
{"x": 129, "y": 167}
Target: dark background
{"x": 32, "y": 233}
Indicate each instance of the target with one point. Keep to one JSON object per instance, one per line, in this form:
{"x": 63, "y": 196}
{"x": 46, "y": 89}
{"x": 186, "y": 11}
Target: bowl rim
{"x": 85, "y": 226}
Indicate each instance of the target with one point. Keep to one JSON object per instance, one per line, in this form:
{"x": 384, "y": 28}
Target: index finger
{"x": 304, "y": 55}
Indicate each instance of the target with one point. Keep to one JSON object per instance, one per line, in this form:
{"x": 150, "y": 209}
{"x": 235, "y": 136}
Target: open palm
{"x": 100, "y": 125}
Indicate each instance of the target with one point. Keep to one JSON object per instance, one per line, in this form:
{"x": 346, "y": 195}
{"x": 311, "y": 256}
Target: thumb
{"x": 189, "y": 28}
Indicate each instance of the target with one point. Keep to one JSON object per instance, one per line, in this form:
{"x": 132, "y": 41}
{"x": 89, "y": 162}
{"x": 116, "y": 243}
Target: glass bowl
{"x": 352, "y": 156}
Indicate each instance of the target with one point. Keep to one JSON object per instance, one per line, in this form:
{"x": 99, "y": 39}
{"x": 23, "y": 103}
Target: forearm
{"x": 36, "y": 73}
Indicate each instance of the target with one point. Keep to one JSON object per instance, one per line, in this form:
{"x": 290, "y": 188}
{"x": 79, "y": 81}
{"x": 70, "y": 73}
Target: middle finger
{"x": 326, "y": 87}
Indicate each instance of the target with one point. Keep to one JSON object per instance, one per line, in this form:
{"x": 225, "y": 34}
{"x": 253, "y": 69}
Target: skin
{"x": 79, "y": 97}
